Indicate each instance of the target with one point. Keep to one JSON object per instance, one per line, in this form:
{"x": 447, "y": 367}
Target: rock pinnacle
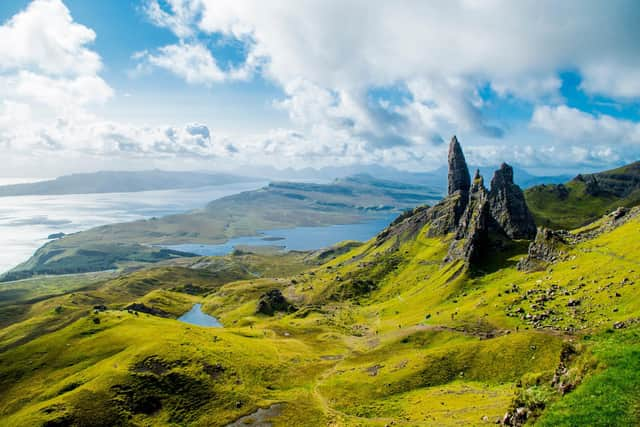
{"x": 459, "y": 179}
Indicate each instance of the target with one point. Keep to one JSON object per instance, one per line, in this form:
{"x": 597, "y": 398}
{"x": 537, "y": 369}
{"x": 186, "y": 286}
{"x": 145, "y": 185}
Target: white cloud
{"x": 618, "y": 81}
{"x": 44, "y": 37}
{"x": 193, "y": 62}
{"x": 328, "y": 55}
{"x": 571, "y": 124}
{"x": 45, "y": 64}
{"x": 58, "y": 93}
{"x": 179, "y": 18}
{"x": 337, "y": 44}
{"x": 362, "y": 81}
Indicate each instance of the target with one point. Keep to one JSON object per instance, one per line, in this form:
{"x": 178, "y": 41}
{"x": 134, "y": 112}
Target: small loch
{"x": 293, "y": 239}
{"x": 195, "y": 316}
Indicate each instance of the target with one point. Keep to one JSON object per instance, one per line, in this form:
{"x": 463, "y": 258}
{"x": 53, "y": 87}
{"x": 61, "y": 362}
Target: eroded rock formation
{"x": 459, "y": 179}
{"x": 475, "y": 215}
{"x": 472, "y": 232}
{"x": 548, "y": 247}
{"x": 508, "y": 207}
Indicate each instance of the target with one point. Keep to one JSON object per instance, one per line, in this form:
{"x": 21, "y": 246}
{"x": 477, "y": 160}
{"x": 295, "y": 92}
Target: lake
{"x": 26, "y": 221}
{"x": 195, "y": 316}
{"x": 297, "y": 239}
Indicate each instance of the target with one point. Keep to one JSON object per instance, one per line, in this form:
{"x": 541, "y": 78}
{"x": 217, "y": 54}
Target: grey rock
{"x": 472, "y": 233}
{"x": 548, "y": 246}
{"x": 459, "y": 179}
{"x": 508, "y": 206}
{"x": 445, "y": 216}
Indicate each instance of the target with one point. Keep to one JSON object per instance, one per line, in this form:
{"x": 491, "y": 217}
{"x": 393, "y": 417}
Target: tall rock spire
{"x": 459, "y": 179}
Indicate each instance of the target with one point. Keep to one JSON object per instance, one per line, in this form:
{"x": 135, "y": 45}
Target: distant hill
{"x": 585, "y": 198}
{"x": 436, "y": 179}
{"x": 120, "y": 182}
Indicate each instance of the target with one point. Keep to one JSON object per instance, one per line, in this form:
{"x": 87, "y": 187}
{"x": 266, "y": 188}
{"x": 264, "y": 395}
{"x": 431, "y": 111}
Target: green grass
{"x": 16, "y": 297}
{"x": 384, "y": 333}
{"x": 610, "y": 396}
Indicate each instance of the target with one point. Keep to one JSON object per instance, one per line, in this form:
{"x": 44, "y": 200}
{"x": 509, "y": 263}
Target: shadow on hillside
{"x": 501, "y": 253}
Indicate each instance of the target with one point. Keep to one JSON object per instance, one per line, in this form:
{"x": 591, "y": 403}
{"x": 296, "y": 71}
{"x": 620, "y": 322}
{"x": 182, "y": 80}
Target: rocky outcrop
{"x": 508, "y": 207}
{"x": 615, "y": 219}
{"x": 548, "y": 247}
{"x": 137, "y": 307}
{"x": 471, "y": 212}
{"x": 459, "y": 179}
{"x": 472, "y": 233}
{"x": 273, "y": 301}
{"x": 501, "y": 213}
{"x": 444, "y": 217}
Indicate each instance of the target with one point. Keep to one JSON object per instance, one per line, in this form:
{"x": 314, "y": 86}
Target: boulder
{"x": 272, "y": 302}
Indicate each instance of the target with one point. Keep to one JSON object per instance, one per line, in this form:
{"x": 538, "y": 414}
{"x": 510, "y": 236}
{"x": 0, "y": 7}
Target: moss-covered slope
{"x": 585, "y": 198}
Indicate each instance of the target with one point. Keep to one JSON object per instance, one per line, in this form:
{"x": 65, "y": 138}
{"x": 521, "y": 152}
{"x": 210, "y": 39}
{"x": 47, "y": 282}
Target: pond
{"x": 195, "y": 316}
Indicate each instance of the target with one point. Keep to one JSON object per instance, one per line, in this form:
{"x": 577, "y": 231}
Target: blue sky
{"x": 131, "y": 84}
{"x": 123, "y": 28}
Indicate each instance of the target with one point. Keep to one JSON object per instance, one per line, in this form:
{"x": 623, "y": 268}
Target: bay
{"x": 27, "y": 221}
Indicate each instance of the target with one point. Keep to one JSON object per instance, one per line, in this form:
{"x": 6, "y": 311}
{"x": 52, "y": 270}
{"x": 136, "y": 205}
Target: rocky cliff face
{"x": 508, "y": 207}
{"x": 472, "y": 232}
{"x": 548, "y": 247}
{"x": 501, "y": 212}
{"x": 617, "y": 182}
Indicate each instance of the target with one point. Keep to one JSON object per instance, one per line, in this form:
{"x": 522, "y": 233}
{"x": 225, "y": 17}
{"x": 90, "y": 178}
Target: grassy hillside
{"x": 280, "y": 205}
{"x": 585, "y": 198}
{"x": 383, "y": 334}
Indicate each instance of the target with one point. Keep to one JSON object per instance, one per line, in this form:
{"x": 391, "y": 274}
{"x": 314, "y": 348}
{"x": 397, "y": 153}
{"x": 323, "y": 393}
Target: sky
{"x": 234, "y": 84}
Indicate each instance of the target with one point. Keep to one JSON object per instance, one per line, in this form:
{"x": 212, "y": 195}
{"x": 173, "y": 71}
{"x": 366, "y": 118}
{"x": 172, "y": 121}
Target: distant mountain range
{"x": 120, "y": 182}
{"x": 133, "y": 181}
{"x": 437, "y": 179}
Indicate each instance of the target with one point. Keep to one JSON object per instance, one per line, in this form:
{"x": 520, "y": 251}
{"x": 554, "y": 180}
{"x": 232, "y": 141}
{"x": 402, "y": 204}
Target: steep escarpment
{"x": 585, "y": 198}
